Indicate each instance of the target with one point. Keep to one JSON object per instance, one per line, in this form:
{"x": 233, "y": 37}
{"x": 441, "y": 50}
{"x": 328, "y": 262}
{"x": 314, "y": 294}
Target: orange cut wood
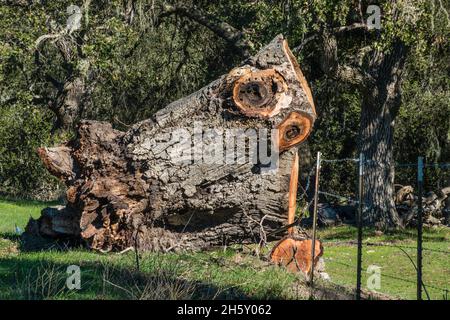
{"x": 293, "y": 185}
{"x": 294, "y": 129}
{"x": 259, "y": 93}
{"x": 295, "y": 254}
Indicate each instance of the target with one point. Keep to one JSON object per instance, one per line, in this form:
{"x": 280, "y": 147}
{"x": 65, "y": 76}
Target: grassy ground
{"x": 393, "y": 253}
{"x": 232, "y": 273}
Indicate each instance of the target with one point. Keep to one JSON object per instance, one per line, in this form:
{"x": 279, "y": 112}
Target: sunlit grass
{"x": 390, "y": 252}
{"x": 234, "y": 273}
{"x": 18, "y": 212}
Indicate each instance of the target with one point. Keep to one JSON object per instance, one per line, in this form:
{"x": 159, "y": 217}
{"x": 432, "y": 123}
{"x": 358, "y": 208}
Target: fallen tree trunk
{"x": 165, "y": 184}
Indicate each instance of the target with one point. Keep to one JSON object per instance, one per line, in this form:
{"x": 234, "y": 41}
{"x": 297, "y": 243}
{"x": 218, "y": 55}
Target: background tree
{"x": 130, "y": 58}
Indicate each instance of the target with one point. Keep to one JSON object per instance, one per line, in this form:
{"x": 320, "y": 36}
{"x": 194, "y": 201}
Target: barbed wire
{"x": 366, "y": 208}
{"x": 339, "y": 262}
{"x": 397, "y": 164}
{"x": 409, "y": 165}
{"x": 427, "y": 165}
{"x": 337, "y": 196}
{"x": 404, "y": 247}
{"x": 339, "y": 160}
{"x": 384, "y": 274}
{"x": 375, "y": 244}
{"x": 440, "y": 165}
{"x": 414, "y": 282}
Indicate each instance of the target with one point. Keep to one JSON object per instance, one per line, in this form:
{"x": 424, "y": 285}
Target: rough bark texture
{"x": 127, "y": 188}
{"x": 381, "y": 103}
{"x": 379, "y": 81}
{"x": 71, "y": 93}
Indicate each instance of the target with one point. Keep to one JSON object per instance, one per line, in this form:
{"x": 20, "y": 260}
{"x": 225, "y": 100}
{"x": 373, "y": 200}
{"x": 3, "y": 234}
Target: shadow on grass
{"x": 37, "y": 279}
{"x": 33, "y": 243}
{"x": 10, "y": 236}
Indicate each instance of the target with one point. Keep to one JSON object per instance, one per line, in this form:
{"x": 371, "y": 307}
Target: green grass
{"x": 18, "y": 212}
{"x": 206, "y": 275}
{"x": 390, "y": 252}
{"x": 234, "y": 273}
{"x": 229, "y": 273}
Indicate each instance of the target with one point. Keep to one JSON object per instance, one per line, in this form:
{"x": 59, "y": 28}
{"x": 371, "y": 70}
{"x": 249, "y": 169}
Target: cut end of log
{"x": 295, "y": 254}
{"x": 272, "y": 86}
{"x": 294, "y": 130}
{"x": 260, "y": 93}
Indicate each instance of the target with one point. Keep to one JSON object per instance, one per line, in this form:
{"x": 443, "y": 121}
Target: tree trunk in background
{"x": 127, "y": 188}
{"x": 379, "y": 109}
{"x": 376, "y": 145}
{"x": 68, "y": 105}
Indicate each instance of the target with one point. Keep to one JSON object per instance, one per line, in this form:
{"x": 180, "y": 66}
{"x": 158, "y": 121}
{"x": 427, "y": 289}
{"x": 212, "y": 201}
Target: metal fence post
{"x": 419, "y": 226}
{"x": 359, "y": 224}
{"x": 314, "y": 221}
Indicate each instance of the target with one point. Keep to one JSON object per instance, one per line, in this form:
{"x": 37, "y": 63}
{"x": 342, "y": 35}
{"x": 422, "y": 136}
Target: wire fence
{"x": 404, "y": 275}
{"x": 371, "y": 261}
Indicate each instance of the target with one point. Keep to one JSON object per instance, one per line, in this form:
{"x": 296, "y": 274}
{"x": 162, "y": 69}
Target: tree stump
{"x": 145, "y": 187}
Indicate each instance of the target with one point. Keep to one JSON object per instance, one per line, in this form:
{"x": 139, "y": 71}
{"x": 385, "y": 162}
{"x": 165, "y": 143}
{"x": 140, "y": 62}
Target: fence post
{"x": 314, "y": 221}
{"x": 419, "y": 226}
{"x": 359, "y": 225}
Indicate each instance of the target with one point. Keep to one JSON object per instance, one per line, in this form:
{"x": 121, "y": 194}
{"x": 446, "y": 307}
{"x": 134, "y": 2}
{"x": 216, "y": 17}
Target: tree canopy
{"x": 120, "y": 61}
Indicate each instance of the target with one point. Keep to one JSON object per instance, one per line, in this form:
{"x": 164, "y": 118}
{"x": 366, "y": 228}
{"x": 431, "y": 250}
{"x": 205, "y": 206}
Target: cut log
{"x": 446, "y": 211}
{"x": 295, "y": 254}
{"x": 445, "y": 191}
{"x": 433, "y": 204}
{"x": 294, "y": 251}
{"x": 405, "y": 194}
{"x": 165, "y": 184}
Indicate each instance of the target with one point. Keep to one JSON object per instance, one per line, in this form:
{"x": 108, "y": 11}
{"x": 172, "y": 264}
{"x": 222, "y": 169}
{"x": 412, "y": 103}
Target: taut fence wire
{"x": 356, "y": 263}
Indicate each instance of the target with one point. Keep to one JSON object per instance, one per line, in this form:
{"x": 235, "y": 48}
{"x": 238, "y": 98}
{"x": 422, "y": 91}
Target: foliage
{"x": 22, "y": 130}
{"x": 136, "y": 64}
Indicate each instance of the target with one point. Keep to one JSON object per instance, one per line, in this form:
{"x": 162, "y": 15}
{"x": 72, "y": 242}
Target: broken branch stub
{"x": 171, "y": 194}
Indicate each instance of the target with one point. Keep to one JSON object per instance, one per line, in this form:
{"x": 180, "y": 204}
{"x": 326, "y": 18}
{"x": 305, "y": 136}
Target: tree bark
{"x": 379, "y": 84}
{"x": 143, "y": 186}
{"x": 380, "y": 87}
{"x": 379, "y": 108}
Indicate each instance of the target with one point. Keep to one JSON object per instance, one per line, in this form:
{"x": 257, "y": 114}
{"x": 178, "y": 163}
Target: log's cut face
{"x": 296, "y": 254}
{"x": 192, "y": 176}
